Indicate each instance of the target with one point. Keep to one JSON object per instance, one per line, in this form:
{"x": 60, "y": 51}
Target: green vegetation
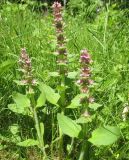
{"x": 47, "y": 123}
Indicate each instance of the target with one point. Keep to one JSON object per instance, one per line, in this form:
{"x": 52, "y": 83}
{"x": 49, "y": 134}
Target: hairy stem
{"x": 37, "y": 125}
{"x": 84, "y": 155}
{"x": 62, "y": 112}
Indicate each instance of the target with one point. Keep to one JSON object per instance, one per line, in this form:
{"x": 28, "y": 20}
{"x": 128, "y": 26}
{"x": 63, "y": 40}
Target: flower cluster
{"x": 61, "y": 48}
{"x": 85, "y": 82}
{"x": 26, "y": 68}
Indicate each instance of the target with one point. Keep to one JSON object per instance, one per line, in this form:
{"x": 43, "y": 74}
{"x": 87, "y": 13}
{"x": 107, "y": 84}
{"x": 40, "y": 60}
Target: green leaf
{"x": 54, "y": 74}
{"x": 21, "y": 103}
{"x": 14, "y": 129}
{"x": 121, "y": 98}
{"x": 28, "y": 143}
{"x": 84, "y": 120}
{"x": 61, "y": 88}
{"x": 105, "y": 135}
{"x": 50, "y": 94}
{"x": 17, "y": 109}
{"x": 41, "y": 100}
{"x": 72, "y": 75}
{"x": 94, "y": 106}
{"x": 76, "y": 101}
{"x": 68, "y": 126}
{"x": 21, "y": 100}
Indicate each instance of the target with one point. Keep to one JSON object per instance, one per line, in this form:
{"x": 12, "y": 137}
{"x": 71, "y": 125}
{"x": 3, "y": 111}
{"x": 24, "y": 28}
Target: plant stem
{"x": 37, "y": 125}
{"x": 61, "y": 145}
{"x": 70, "y": 151}
{"x": 52, "y": 156}
{"x": 84, "y": 155}
{"x": 62, "y": 112}
{"x": 40, "y": 138}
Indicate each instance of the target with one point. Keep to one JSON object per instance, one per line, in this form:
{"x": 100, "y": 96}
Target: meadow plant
{"x": 39, "y": 96}
{"x": 84, "y": 99}
{"x": 29, "y": 82}
{"x": 27, "y": 104}
{"x": 85, "y": 82}
{"x": 61, "y": 62}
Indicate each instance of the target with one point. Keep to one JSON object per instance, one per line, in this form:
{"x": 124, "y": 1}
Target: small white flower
{"x": 125, "y": 112}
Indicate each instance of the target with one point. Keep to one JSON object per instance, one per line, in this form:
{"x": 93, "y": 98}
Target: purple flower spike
{"x": 85, "y": 74}
{"x": 61, "y": 41}
{"x": 25, "y": 65}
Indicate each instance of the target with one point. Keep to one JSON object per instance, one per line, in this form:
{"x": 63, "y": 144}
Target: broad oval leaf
{"x": 21, "y": 100}
{"x": 28, "y": 143}
{"x": 68, "y": 126}
{"x": 72, "y": 75}
{"x": 50, "y": 94}
{"x": 17, "y": 109}
{"x": 105, "y": 135}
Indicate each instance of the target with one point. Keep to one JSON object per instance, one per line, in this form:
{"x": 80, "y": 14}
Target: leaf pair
{"x": 101, "y": 136}
{"x": 76, "y": 102}
{"x": 22, "y": 102}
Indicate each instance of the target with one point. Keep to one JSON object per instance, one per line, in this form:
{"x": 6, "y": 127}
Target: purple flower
{"x": 85, "y": 57}
{"x": 90, "y": 82}
{"x": 56, "y": 6}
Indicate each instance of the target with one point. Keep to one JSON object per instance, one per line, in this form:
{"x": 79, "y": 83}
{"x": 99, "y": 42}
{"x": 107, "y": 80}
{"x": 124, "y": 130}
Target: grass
{"x": 106, "y": 38}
